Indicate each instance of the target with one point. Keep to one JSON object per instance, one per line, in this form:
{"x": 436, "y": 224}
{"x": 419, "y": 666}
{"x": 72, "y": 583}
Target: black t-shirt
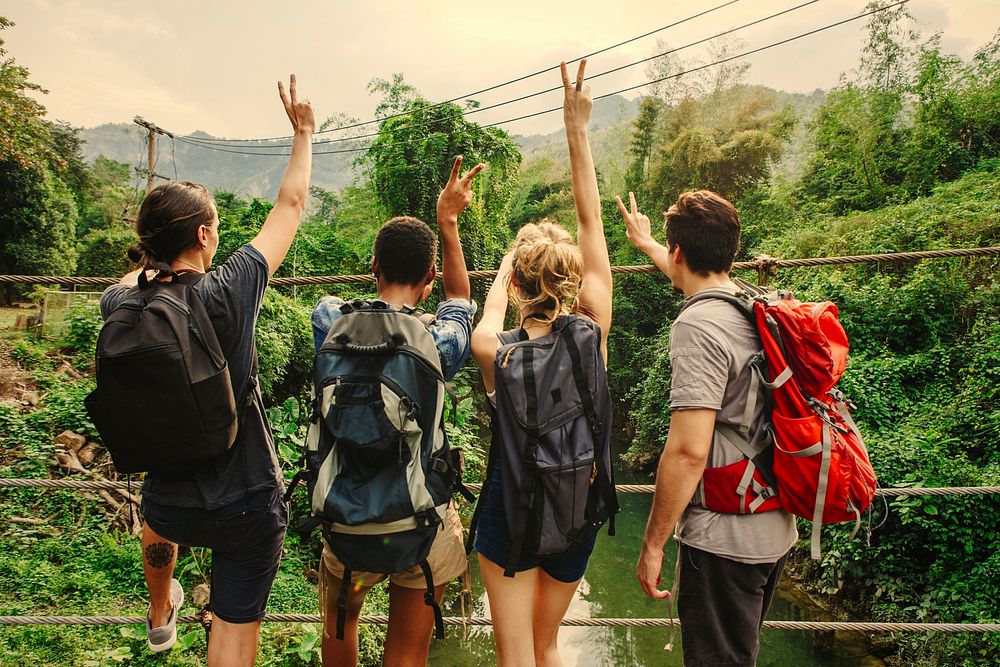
{"x": 232, "y": 295}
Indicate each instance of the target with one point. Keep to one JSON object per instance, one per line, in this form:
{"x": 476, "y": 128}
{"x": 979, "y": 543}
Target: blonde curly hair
{"x": 546, "y": 270}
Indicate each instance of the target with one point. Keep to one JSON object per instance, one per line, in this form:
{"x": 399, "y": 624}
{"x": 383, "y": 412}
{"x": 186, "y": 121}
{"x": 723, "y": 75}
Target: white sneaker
{"x": 163, "y": 638}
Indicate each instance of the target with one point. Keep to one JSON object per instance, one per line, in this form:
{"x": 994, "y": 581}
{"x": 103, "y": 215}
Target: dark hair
{"x": 405, "y": 248}
{"x": 707, "y": 229}
{"x": 168, "y": 223}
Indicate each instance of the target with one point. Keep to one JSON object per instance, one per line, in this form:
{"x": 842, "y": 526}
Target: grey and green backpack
{"x": 379, "y": 471}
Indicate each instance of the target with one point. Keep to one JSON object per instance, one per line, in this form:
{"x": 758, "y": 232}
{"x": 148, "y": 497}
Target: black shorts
{"x": 245, "y": 538}
{"x": 722, "y": 604}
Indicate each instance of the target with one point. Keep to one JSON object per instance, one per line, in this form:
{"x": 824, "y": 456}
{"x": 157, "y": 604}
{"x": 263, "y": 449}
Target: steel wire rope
{"x": 766, "y": 264}
{"x": 173, "y": 155}
{"x": 115, "y": 485}
{"x": 569, "y": 621}
{"x": 528, "y": 96}
{"x": 605, "y": 95}
{"x": 505, "y": 83}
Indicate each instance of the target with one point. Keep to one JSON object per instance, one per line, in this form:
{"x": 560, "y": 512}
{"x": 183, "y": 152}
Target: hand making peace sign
{"x": 637, "y": 226}
{"x": 299, "y": 113}
{"x": 577, "y": 102}
{"x": 457, "y": 193}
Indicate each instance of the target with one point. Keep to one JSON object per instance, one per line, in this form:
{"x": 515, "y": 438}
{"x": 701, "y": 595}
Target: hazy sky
{"x": 212, "y": 65}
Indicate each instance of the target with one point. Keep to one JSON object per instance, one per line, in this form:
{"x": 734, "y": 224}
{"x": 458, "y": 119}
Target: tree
{"x": 642, "y": 144}
{"x": 37, "y": 222}
{"x": 853, "y": 138}
{"x": 668, "y": 66}
{"x": 107, "y": 194}
{"x": 102, "y": 252}
{"x": 409, "y": 161}
{"x": 888, "y": 53}
{"x": 25, "y": 138}
{"x": 858, "y": 133}
{"x": 725, "y": 141}
{"x": 37, "y": 209}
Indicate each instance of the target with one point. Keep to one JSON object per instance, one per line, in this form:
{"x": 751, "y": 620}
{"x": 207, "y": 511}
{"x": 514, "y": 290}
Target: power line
{"x": 554, "y": 88}
{"x": 616, "y": 92}
{"x": 173, "y": 155}
{"x": 712, "y": 64}
{"x": 496, "y": 86}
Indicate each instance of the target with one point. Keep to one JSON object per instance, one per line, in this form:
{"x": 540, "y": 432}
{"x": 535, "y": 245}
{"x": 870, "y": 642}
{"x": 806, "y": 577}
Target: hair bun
{"x": 138, "y": 253}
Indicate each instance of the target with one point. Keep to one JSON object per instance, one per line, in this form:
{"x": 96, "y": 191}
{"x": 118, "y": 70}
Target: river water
{"x": 609, "y": 589}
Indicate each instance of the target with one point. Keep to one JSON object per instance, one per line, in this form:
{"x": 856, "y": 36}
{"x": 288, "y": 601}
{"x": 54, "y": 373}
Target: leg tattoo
{"x": 159, "y": 554}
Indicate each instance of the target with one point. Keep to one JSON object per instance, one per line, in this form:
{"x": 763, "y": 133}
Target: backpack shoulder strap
{"x": 743, "y": 301}
{"x": 513, "y": 336}
{"x": 606, "y": 476}
{"x": 582, "y": 388}
{"x": 526, "y": 493}
{"x": 427, "y": 319}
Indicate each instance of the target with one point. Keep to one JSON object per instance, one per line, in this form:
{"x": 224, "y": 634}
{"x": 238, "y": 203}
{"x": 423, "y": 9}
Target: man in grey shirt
{"x": 729, "y": 562}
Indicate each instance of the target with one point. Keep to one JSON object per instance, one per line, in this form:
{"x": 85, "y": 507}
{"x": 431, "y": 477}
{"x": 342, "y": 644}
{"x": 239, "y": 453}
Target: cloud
{"x": 212, "y": 65}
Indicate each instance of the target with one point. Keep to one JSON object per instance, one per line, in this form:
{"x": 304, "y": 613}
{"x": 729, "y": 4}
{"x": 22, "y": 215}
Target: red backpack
{"x": 818, "y": 468}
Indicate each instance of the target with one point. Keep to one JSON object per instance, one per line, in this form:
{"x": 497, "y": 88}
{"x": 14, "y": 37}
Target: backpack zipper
{"x": 143, "y": 352}
{"x": 572, "y": 466}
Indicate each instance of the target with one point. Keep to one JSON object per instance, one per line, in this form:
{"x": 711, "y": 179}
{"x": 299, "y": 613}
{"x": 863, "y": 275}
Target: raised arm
{"x": 275, "y": 237}
{"x": 638, "y": 231}
{"x": 484, "y": 337}
{"x": 595, "y": 291}
{"x": 454, "y": 198}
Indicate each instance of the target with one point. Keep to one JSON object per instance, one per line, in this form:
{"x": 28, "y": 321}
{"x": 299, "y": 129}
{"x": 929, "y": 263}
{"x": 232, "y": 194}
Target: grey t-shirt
{"x": 232, "y": 295}
{"x": 711, "y": 344}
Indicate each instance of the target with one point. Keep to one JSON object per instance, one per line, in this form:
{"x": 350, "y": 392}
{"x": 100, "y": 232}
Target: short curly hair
{"x": 405, "y": 248}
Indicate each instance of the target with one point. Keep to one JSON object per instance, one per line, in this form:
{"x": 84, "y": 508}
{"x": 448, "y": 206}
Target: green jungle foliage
{"x": 412, "y": 156}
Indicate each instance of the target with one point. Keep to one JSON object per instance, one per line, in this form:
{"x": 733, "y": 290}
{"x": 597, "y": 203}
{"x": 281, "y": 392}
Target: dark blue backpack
{"x": 379, "y": 470}
{"x": 552, "y": 437}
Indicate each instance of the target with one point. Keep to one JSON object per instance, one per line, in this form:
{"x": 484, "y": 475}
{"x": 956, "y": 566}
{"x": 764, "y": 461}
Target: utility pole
{"x": 151, "y": 131}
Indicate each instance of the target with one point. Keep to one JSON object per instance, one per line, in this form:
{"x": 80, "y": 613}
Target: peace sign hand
{"x": 457, "y": 193}
{"x": 299, "y": 113}
{"x": 637, "y": 226}
{"x": 577, "y": 102}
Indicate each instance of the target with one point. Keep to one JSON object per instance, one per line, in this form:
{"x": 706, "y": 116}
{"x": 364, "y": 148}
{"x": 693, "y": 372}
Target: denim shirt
{"x": 451, "y": 331}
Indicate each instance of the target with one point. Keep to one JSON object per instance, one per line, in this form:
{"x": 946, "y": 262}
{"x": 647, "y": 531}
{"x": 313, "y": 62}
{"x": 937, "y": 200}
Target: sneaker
{"x": 163, "y": 638}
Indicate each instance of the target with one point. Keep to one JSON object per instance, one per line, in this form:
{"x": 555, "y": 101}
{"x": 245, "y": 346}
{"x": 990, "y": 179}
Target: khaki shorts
{"x": 447, "y": 560}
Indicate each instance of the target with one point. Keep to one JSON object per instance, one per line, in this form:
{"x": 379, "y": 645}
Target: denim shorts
{"x": 245, "y": 538}
{"x": 493, "y": 540}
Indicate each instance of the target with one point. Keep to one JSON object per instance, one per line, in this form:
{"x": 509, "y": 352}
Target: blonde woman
{"x": 546, "y": 275}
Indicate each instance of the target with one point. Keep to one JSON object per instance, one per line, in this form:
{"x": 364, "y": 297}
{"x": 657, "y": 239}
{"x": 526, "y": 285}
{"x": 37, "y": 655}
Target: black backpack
{"x": 552, "y": 436}
{"x": 379, "y": 471}
{"x": 164, "y": 397}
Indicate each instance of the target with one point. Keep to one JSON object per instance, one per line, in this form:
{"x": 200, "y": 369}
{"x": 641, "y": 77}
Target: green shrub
{"x": 83, "y": 324}
{"x": 102, "y": 251}
{"x": 31, "y": 355}
{"x": 284, "y": 347}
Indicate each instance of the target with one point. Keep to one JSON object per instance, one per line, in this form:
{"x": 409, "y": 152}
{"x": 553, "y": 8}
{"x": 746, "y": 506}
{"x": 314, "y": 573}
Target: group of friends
{"x": 233, "y": 504}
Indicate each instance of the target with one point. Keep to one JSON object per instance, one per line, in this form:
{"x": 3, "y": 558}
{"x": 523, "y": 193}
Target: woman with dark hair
{"x": 232, "y": 503}
{"x": 547, "y": 276}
